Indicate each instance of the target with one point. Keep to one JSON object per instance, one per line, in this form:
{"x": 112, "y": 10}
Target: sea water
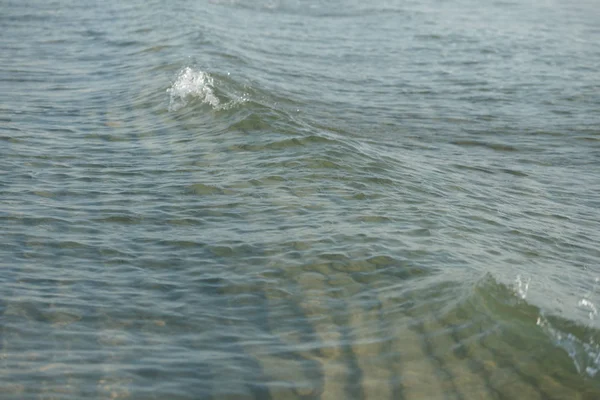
{"x": 279, "y": 199}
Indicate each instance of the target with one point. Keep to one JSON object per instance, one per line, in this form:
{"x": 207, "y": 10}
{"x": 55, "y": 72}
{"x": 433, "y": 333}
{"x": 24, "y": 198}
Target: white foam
{"x": 588, "y": 306}
{"x": 191, "y": 84}
{"x": 521, "y": 287}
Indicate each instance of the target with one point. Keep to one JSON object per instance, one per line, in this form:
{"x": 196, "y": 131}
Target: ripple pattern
{"x": 299, "y": 200}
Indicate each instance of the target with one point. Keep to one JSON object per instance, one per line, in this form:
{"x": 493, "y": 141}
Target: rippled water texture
{"x": 299, "y": 200}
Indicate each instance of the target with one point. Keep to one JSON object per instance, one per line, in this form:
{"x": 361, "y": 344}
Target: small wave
{"x": 584, "y": 353}
{"x": 194, "y": 85}
{"x": 581, "y": 342}
{"x": 191, "y": 84}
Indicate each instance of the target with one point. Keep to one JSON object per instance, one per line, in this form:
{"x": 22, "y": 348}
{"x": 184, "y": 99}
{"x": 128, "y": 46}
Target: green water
{"x": 299, "y": 200}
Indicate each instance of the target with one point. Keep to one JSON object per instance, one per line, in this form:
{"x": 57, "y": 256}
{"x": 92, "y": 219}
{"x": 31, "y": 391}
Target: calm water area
{"x": 300, "y": 199}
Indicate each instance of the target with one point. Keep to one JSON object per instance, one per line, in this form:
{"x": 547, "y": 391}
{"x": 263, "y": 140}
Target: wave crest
{"x": 523, "y": 322}
{"x": 191, "y": 84}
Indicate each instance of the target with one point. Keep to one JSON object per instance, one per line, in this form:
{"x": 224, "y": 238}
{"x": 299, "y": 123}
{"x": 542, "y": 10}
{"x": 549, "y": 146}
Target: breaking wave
{"x": 579, "y": 341}
{"x": 584, "y": 352}
{"x": 196, "y": 85}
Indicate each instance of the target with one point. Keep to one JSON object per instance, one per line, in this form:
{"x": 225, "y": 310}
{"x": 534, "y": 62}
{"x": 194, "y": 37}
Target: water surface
{"x": 299, "y": 200}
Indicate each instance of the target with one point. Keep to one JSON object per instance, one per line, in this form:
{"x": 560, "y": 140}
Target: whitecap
{"x": 192, "y": 84}
{"x": 521, "y": 287}
{"x": 589, "y": 307}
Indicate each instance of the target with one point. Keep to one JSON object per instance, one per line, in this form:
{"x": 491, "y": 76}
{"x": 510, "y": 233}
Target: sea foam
{"x": 191, "y": 84}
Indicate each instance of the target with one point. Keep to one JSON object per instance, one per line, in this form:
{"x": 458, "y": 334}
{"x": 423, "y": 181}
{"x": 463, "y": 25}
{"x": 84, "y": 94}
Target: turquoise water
{"x": 299, "y": 200}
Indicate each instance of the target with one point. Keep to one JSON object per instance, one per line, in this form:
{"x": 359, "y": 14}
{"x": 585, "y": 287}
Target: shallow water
{"x": 300, "y": 199}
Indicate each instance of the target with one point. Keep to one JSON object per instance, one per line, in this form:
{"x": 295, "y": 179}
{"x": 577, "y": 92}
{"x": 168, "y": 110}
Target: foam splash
{"x": 585, "y": 355}
{"x": 191, "y": 84}
{"x": 521, "y": 287}
{"x": 589, "y": 307}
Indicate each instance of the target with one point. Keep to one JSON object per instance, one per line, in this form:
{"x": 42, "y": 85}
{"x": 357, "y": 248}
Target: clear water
{"x": 299, "y": 199}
